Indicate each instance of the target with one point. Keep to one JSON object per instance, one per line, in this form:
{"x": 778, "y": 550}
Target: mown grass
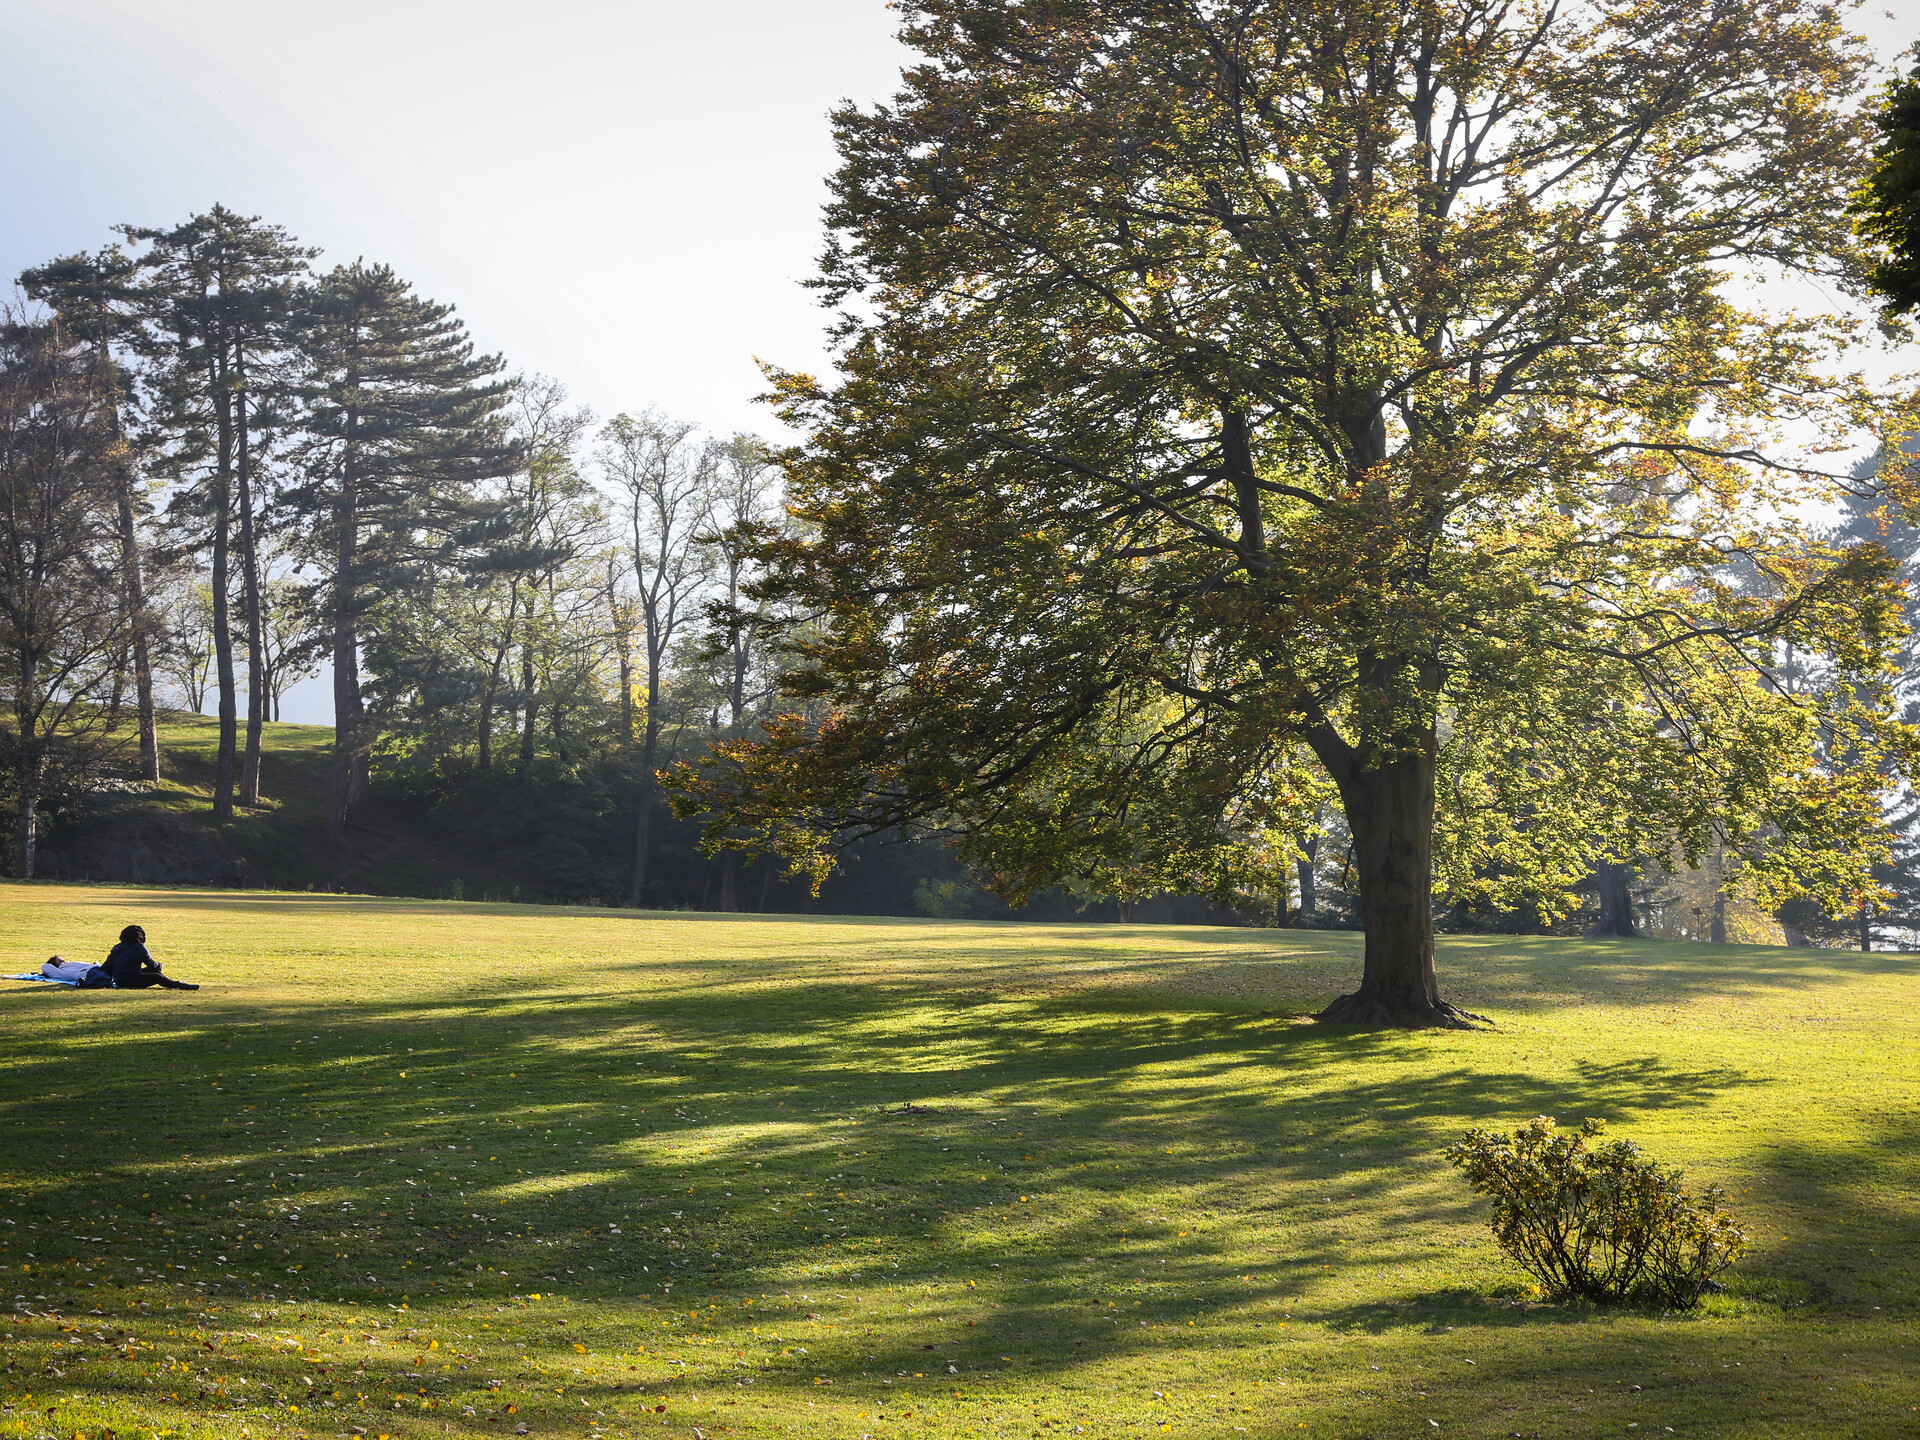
{"x": 417, "y": 1168}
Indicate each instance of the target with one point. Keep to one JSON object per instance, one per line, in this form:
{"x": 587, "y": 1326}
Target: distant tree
{"x": 555, "y": 518}
{"x": 293, "y": 635}
{"x": 1887, "y": 204}
{"x": 663, "y": 482}
{"x": 403, "y": 427}
{"x": 1614, "y": 882}
{"x": 217, "y": 293}
{"x": 184, "y": 653}
{"x": 1233, "y": 390}
{"x": 63, "y": 616}
{"x": 746, "y": 511}
{"x": 96, "y": 298}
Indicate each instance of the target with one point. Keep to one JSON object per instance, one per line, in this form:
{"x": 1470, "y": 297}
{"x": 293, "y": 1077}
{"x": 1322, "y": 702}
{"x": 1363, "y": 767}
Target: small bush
{"x": 1602, "y": 1222}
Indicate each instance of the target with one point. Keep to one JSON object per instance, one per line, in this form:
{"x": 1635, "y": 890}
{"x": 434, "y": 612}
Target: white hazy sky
{"x": 624, "y": 194}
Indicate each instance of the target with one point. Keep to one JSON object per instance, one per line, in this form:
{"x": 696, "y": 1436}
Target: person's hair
{"x": 133, "y": 935}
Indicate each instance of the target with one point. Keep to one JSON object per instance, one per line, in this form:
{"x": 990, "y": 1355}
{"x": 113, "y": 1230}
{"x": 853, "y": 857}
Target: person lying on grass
{"x": 133, "y": 968}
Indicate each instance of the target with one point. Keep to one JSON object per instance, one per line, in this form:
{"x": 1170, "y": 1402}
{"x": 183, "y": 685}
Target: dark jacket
{"x": 128, "y": 959}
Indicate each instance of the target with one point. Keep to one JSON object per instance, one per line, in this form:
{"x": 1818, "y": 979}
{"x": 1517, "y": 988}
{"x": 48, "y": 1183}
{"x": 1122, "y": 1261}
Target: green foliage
{"x": 1887, "y": 204}
{"x": 1244, "y": 401}
{"x": 1598, "y": 1222}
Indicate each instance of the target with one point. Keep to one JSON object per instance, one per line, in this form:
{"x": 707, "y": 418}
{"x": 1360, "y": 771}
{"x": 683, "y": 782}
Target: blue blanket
{"x": 44, "y": 980}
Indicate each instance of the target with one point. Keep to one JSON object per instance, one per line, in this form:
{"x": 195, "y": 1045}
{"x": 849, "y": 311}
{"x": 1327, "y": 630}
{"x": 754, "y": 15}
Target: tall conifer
{"x": 404, "y": 426}
{"x": 218, "y": 298}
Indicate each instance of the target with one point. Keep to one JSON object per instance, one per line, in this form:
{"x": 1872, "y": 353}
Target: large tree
{"x": 63, "y": 620}
{"x": 97, "y": 299}
{"x": 217, "y": 293}
{"x": 404, "y": 429}
{"x": 1239, "y": 392}
{"x": 663, "y": 483}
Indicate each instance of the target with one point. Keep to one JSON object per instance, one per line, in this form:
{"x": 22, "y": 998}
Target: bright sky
{"x": 624, "y": 194}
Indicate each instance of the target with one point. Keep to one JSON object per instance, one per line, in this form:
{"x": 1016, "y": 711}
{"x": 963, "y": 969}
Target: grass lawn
{"x": 418, "y": 1168}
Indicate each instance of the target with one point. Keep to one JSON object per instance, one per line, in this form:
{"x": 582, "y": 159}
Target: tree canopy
{"x": 1240, "y": 402}
{"x": 1888, "y": 202}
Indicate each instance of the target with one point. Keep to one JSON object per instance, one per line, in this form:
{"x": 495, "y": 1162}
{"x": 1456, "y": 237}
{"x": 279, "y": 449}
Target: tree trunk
{"x": 1616, "y": 903}
{"x": 623, "y": 652}
{"x": 136, "y": 607}
{"x": 1718, "y": 932}
{"x": 1866, "y": 925}
{"x": 250, "y": 597}
{"x": 1309, "y": 897}
{"x": 1390, "y": 812}
{"x": 766, "y": 881}
{"x": 729, "y": 880}
{"x": 28, "y": 836}
{"x": 222, "y": 618}
{"x": 649, "y": 757}
{"x": 347, "y": 710}
{"x": 532, "y": 714}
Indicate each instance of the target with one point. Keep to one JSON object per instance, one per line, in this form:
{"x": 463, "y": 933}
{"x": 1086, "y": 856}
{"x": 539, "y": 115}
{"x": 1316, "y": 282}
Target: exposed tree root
{"x": 1370, "y": 1012}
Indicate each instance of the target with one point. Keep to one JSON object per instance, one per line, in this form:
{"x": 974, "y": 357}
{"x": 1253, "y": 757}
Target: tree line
{"x": 226, "y": 465}
{"x": 1271, "y": 452}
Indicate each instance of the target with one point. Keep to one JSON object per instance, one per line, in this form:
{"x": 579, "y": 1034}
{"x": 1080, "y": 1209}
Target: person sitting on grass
{"x": 133, "y": 968}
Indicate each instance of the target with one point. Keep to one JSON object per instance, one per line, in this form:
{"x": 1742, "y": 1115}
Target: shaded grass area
{"x": 284, "y": 841}
{"x": 420, "y": 1168}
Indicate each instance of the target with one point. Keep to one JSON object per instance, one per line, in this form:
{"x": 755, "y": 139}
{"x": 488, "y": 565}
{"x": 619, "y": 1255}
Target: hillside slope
{"x": 166, "y": 833}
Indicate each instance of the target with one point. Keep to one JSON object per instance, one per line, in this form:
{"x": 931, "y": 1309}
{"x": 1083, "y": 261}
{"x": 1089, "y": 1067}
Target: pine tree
{"x": 403, "y": 426}
{"x": 217, "y": 297}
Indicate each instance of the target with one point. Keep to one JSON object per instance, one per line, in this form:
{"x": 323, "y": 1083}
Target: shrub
{"x": 1598, "y": 1222}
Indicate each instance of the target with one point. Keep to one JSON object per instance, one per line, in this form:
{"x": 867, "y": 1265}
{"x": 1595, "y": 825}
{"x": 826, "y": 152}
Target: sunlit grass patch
{"x": 807, "y": 1176}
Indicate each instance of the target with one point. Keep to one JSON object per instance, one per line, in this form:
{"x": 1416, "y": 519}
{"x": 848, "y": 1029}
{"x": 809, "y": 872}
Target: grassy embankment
{"x": 284, "y": 840}
{"x": 417, "y": 1168}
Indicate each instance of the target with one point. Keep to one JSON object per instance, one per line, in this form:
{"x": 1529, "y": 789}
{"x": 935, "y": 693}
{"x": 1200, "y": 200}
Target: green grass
{"x": 841, "y": 1178}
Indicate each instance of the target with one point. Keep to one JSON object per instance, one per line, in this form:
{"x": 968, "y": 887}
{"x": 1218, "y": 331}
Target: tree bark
{"x": 623, "y": 651}
{"x": 649, "y": 757}
{"x": 222, "y": 619}
{"x": 347, "y": 709}
{"x": 26, "y": 765}
{"x": 1616, "y": 903}
{"x": 250, "y": 598}
{"x": 532, "y": 713}
{"x": 136, "y": 601}
{"x": 729, "y": 881}
{"x": 1309, "y": 896}
{"x": 1390, "y": 806}
{"x": 28, "y": 835}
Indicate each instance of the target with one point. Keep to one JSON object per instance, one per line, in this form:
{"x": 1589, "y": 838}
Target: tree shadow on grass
{"x": 774, "y": 1081}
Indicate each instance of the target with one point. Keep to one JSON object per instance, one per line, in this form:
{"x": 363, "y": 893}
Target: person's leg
{"x": 152, "y": 979}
